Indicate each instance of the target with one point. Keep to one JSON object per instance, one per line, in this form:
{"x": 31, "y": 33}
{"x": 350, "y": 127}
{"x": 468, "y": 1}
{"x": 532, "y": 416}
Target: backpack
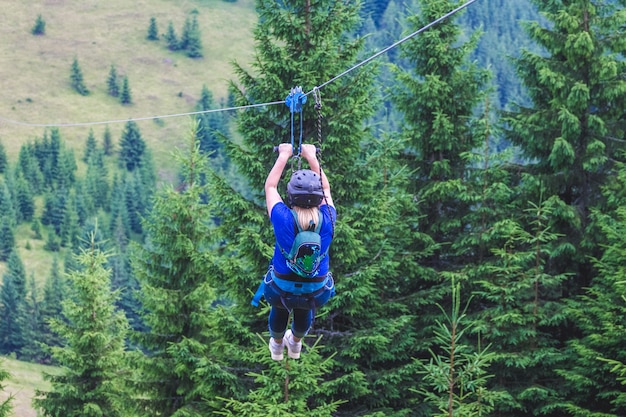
{"x": 305, "y": 256}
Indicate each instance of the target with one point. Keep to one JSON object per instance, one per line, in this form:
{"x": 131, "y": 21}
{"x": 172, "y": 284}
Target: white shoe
{"x": 293, "y": 348}
{"x": 276, "y": 349}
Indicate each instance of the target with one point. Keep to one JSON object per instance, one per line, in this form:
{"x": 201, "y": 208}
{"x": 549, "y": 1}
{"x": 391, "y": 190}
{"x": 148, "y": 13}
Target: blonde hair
{"x": 307, "y": 216}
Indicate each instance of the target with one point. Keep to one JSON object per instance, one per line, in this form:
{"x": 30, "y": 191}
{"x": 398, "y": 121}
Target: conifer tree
{"x": 53, "y": 295}
{"x": 24, "y": 198}
{"x": 153, "y": 31}
{"x": 439, "y": 94}
{"x": 193, "y": 40}
{"x": 90, "y": 146}
{"x": 32, "y": 325}
{"x": 76, "y": 78}
{"x": 125, "y": 95}
{"x": 93, "y": 359}
{"x": 10, "y": 336}
{"x": 113, "y": 88}
{"x": 567, "y": 133}
{"x": 184, "y": 345}
{"x": 455, "y": 381}
{"x": 293, "y": 388}
{"x": 28, "y": 166}
{"x": 107, "y": 142}
{"x": 132, "y": 147}
{"x": 4, "y": 162}
{"x": 40, "y": 26}
{"x": 7, "y": 206}
{"x": 7, "y": 243}
{"x": 566, "y": 137}
{"x": 301, "y": 42}
{"x": 210, "y": 124}
{"x": 171, "y": 38}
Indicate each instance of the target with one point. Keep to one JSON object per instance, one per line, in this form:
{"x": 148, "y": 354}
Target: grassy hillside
{"x": 35, "y": 70}
{"x": 25, "y": 379}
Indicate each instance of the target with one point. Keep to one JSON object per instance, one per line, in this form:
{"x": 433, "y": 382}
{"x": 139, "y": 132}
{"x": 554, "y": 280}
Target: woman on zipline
{"x": 298, "y": 280}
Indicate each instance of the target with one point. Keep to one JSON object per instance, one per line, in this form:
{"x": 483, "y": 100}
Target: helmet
{"x": 304, "y": 189}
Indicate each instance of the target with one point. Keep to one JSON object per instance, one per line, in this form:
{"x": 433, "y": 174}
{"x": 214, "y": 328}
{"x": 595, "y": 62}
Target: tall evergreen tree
{"x": 309, "y": 43}
{"x": 10, "y": 302}
{"x": 193, "y": 39}
{"x": 90, "y": 146}
{"x": 125, "y": 95}
{"x": 7, "y": 243}
{"x": 54, "y": 292}
{"x": 25, "y": 202}
{"x": 32, "y": 325}
{"x": 567, "y": 139}
{"x": 113, "y": 87}
{"x": 107, "y": 142}
{"x": 93, "y": 360}
{"x": 210, "y": 124}
{"x": 183, "y": 363}
{"x": 171, "y": 38}
{"x": 132, "y": 147}
{"x": 4, "y": 161}
{"x": 440, "y": 92}
{"x": 76, "y": 78}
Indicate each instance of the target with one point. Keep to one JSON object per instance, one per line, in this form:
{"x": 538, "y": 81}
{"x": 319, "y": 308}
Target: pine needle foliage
{"x": 93, "y": 359}
{"x": 6, "y": 405}
{"x": 183, "y": 364}
{"x": 300, "y": 43}
{"x": 455, "y": 378}
{"x": 286, "y": 388}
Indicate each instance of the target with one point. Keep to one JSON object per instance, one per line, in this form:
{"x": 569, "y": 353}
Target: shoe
{"x": 276, "y": 349}
{"x": 293, "y": 348}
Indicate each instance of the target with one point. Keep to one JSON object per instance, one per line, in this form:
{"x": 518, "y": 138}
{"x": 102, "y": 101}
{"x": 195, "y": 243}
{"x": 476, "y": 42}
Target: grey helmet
{"x": 304, "y": 189}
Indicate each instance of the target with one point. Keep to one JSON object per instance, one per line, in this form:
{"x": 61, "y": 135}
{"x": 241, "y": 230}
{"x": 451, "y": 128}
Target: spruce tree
{"x": 153, "y": 31}
{"x": 210, "y": 124}
{"x": 113, "y": 88}
{"x": 10, "y": 302}
{"x": 300, "y": 42}
{"x": 132, "y": 147}
{"x": 125, "y": 95}
{"x": 566, "y": 139}
{"x": 54, "y": 292}
{"x": 193, "y": 40}
{"x": 184, "y": 346}
{"x": 171, "y": 38}
{"x": 32, "y": 325}
{"x": 439, "y": 93}
{"x": 107, "y": 143}
{"x": 25, "y": 201}
{"x": 93, "y": 358}
{"x": 4, "y": 162}
{"x": 76, "y": 78}
{"x": 40, "y": 26}
{"x": 90, "y": 146}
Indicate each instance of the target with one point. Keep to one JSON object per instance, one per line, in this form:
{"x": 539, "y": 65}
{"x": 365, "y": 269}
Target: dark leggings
{"x": 303, "y": 307}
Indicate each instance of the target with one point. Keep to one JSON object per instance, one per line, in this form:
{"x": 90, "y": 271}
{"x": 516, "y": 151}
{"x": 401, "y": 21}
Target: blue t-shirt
{"x": 285, "y": 231}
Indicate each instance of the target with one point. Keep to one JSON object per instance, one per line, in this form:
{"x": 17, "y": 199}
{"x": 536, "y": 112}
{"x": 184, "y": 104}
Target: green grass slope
{"x": 35, "y": 70}
{"x": 26, "y": 378}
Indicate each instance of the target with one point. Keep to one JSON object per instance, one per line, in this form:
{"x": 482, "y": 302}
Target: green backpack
{"x": 305, "y": 256}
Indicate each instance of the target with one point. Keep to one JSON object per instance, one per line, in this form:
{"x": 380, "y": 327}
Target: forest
{"x": 477, "y": 252}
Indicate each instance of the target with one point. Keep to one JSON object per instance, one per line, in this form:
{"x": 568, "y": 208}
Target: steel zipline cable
{"x": 360, "y": 64}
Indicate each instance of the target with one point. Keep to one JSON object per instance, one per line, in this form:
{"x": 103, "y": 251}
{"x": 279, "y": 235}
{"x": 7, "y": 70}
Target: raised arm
{"x": 309, "y": 152}
{"x": 272, "y": 196}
